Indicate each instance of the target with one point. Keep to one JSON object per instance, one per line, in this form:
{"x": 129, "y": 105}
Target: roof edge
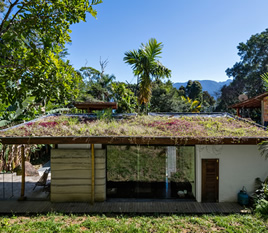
{"x": 128, "y": 140}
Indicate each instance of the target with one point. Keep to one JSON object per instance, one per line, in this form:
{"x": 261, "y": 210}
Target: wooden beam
{"x": 125, "y": 140}
{"x": 89, "y": 106}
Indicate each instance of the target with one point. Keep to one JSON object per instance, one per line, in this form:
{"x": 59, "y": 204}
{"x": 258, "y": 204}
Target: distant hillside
{"x": 212, "y": 87}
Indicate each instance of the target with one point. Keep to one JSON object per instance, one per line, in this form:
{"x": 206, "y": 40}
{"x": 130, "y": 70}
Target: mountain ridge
{"x": 212, "y": 87}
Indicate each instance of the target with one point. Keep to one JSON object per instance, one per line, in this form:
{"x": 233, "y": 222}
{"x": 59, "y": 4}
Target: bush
{"x": 261, "y": 197}
{"x": 262, "y": 207}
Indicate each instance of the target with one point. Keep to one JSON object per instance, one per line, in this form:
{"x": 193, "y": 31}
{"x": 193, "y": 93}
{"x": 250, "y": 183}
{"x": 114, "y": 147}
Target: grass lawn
{"x": 133, "y": 223}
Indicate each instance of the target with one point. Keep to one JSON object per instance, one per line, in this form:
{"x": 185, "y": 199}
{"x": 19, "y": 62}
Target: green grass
{"x": 135, "y": 223}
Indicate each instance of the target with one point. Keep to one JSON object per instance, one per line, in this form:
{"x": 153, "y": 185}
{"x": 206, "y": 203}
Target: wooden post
{"x": 237, "y": 112}
{"x": 92, "y": 174}
{"x": 22, "y": 197}
{"x": 4, "y": 158}
{"x": 4, "y": 168}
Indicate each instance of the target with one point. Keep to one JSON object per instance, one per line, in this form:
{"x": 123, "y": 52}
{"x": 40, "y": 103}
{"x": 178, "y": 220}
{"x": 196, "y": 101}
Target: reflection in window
{"x": 182, "y": 178}
{"x": 150, "y": 172}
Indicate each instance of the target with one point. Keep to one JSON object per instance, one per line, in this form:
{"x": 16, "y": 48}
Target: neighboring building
{"x": 91, "y": 106}
{"x": 257, "y": 102}
{"x": 198, "y": 157}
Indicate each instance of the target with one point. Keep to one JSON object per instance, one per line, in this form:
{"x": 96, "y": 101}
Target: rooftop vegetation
{"x": 152, "y": 126}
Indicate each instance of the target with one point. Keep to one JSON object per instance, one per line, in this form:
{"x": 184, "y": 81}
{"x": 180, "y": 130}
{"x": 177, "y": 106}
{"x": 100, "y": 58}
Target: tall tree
{"x": 195, "y": 91}
{"x": 125, "y": 98}
{"x": 166, "y": 98}
{"x": 2, "y": 6}
{"x": 182, "y": 91}
{"x": 208, "y": 103}
{"x": 188, "y": 87}
{"x": 96, "y": 83}
{"x": 33, "y": 34}
{"x": 147, "y": 67}
{"x": 164, "y": 95}
{"x": 228, "y": 96}
{"x": 246, "y": 73}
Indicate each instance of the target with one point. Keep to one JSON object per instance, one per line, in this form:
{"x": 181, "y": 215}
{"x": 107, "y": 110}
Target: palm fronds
{"x": 146, "y": 67}
{"x": 263, "y": 148}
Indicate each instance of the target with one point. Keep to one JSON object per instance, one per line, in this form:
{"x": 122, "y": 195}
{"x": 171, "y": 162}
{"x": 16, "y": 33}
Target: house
{"x": 257, "y": 102}
{"x": 91, "y": 106}
{"x": 181, "y": 157}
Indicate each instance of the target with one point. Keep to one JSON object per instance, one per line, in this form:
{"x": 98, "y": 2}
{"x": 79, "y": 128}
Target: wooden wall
{"x": 71, "y": 175}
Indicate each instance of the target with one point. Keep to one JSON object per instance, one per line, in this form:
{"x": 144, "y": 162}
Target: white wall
{"x": 239, "y": 165}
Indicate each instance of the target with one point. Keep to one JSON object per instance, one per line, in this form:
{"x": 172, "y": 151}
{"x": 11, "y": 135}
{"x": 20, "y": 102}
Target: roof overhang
{"x": 254, "y": 102}
{"x": 126, "y": 140}
{"x": 95, "y": 105}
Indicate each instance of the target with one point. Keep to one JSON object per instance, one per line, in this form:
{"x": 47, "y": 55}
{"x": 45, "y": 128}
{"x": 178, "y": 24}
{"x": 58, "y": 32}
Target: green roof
{"x": 141, "y": 126}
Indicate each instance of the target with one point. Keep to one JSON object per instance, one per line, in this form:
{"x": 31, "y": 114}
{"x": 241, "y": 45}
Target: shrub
{"x": 262, "y": 207}
{"x": 261, "y": 197}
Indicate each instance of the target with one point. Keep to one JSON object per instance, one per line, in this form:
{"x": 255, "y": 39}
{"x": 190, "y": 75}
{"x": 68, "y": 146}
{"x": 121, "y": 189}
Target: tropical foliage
{"x": 124, "y": 97}
{"x": 35, "y": 78}
{"x": 32, "y": 45}
{"x": 146, "y": 67}
{"x": 263, "y": 147}
{"x": 192, "y": 105}
{"x": 166, "y": 98}
{"x": 96, "y": 86}
{"x": 246, "y": 73}
{"x": 261, "y": 196}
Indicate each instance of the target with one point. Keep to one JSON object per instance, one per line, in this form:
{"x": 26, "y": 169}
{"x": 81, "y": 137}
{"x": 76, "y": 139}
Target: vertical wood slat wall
{"x": 71, "y": 175}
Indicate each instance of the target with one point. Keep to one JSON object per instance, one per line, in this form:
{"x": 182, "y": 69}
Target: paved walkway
{"x": 33, "y": 207}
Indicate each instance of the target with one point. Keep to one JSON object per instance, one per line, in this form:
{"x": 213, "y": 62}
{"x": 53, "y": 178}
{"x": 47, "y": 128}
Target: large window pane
{"x": 182, "y": 179}
{"x": 150, "y": 172}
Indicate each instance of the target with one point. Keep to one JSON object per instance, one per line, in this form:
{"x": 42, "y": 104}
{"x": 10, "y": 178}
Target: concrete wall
{"x": 239, "y": 165}
{"x": 71, "y": 175}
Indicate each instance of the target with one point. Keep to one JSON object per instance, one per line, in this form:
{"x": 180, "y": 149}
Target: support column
{"x": 92, "y": 174}
{"x": 237, "y": 112}
{"x": 4, "y": 167}
{"x": 22, "y": 194}
{"x": 265, "y": 111}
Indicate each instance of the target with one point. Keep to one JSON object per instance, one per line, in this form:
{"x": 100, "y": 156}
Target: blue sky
{"x": 199, "y": 36}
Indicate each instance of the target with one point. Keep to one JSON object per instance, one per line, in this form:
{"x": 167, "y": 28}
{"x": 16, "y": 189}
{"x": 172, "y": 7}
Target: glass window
{"x": 150, "y": 172}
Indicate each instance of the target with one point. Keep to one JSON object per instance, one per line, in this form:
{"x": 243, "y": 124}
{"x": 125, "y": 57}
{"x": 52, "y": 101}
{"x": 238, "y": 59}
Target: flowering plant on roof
{"x": 141, "y": 126}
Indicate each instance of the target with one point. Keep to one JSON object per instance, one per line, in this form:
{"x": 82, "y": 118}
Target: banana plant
{"x": 193, "y": 105}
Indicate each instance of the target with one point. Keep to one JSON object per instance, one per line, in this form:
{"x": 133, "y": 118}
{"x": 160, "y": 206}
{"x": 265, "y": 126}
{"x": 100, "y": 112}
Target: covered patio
{"x": 11, "y": 187}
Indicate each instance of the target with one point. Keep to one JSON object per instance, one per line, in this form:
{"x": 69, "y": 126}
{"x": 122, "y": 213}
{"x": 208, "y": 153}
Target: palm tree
{"x": 146, "y": 67}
